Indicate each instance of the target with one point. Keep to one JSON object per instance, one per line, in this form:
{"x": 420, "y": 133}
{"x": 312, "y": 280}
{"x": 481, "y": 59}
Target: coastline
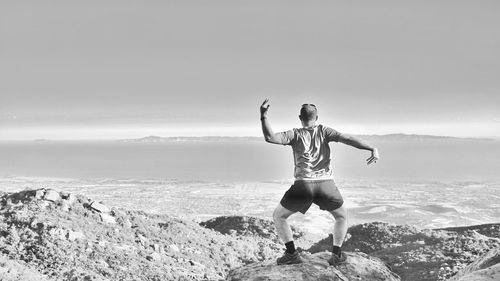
{"x": 430, "y": 204}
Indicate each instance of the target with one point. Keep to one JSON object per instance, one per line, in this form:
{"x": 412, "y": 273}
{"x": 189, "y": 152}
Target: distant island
{"x": 154, "y": 139}
{"x": 382, "y": 138}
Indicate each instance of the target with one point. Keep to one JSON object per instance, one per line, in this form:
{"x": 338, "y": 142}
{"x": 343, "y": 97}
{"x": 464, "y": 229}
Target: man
{"x": 313, "y": 177}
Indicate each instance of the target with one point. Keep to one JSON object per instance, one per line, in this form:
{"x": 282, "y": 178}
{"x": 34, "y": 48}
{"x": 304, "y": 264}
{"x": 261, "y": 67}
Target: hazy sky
{"x": 113, "y": 69}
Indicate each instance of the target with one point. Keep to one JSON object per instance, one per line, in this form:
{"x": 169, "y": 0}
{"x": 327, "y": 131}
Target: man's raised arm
{"x": 357, "y": 143}
{"x": 269, "y": 135}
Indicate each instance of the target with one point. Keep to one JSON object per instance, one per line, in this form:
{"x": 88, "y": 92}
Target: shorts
{"x": 302, "y": 194}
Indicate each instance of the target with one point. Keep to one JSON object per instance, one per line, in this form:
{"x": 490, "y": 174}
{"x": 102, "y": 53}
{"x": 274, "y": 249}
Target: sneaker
{"x": 334, "y": 260}
{"x": 289, "y": 258}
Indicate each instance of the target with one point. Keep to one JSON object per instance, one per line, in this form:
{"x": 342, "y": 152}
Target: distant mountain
{"x": 384, "y": 138}
{"x": 416, "y": 138}
{"x": 157, "y": 139}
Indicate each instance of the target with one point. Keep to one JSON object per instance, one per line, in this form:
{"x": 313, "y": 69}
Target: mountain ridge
{"x": 373, "y": 137}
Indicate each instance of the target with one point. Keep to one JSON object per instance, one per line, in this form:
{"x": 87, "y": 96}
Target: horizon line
{"x": 467, "y": 130}
{"x": 245, "y": 137}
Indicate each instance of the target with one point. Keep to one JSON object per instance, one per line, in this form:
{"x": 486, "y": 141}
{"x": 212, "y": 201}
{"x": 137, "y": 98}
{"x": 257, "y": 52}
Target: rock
{"x": 154, "y": 257}
{"x": 83, "y": 275}
{"x": 99, "y": 207}
{"x": 35, "y": 223}
{"x": 75, "y": 235}
{"x": 197, "y": 265}
{"x": 39, "y": 193}
{"x": 127, "y": 223}
{"x": 43, "y": 204}
{"x": 58, "y": 233}
{"x": 103, "y": 263}
{"x": 173, "y": 248}
{"x": 107, "y": 218}
{"x": 157, "y": 248}
{"x": 51, "y": 195}
{"x": 65, "y": 206}
{"x": 359, "y": 266}
{"x": 124, "y": 247}
{"x": 143, "y": 240}
{"x": 487, "y": 267}
{"x": 71, "y": 199}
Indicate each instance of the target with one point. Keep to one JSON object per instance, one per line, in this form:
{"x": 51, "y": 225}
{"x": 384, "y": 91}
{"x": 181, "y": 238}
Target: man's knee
{"x": 340, "y": 213}
{"x": 280, "y": 213}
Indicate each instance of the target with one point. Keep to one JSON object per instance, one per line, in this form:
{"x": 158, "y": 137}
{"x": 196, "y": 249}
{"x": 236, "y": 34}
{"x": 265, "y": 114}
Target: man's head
{"x": 308, "y": 113}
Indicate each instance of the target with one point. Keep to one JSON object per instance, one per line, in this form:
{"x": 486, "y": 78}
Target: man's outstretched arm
{"x": 357, "y": 143}
{"x": 269, "y": 135}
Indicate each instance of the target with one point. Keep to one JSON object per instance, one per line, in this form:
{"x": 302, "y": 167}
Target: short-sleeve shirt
{"x": 311, "y": 151}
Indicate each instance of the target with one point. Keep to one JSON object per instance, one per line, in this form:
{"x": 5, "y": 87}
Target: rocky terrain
{"x": 50, "y": 235}
{"x": 67, "y": 237}
{"x": 420, "y": 254}
{"x": 485, "y": 268}
{"x": 15, "y": 270}
{"x": 314, "y": 267}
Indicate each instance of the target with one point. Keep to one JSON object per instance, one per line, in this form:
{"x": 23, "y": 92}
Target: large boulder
{"x": 315, "y": 267}
{"x": 485, "y": 268}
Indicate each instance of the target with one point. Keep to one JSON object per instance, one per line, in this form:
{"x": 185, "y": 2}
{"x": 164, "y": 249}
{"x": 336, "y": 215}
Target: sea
{"x": 430, "y": 183}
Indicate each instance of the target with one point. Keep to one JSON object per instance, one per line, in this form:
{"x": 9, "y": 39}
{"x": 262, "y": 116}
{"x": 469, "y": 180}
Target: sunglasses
{"x": 308, "y": 104}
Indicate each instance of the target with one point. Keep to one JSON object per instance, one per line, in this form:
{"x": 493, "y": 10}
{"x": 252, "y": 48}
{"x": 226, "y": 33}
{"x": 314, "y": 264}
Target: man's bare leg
{"x": 280, "y": 215}
{"x": 291, "y": 256}
{"x": 340, "y": 226}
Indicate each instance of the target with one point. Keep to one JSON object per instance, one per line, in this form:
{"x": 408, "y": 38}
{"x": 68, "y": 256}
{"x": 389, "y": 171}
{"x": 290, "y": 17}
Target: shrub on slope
{"x": 247, "y": 226}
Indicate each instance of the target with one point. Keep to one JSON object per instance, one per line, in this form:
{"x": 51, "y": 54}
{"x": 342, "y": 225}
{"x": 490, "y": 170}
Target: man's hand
{"x": 264, "y": 108}
{"x": 373, "y": 158}
{"x": 269, "y": 135}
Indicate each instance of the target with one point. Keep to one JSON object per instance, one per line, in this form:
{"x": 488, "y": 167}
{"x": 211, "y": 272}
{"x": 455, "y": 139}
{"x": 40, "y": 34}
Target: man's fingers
{"x": 371, "y": 159}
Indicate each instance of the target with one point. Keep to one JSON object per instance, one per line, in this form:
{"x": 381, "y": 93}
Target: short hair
{"x": 308, "y": 112}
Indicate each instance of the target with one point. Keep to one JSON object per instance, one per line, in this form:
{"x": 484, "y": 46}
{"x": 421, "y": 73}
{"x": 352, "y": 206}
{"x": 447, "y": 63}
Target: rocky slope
{"x": 15, "y": 270}
{"x": 67, "y": 237}
{"x": 416, "y": 254}
{"x": 50, "y": 235}
{"x": 487, "y": 267}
